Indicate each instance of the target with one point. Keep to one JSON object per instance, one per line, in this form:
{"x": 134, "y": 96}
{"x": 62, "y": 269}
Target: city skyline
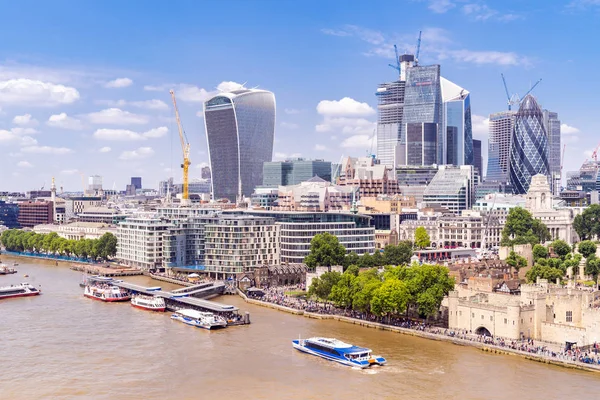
{"x": 93, "y": 98}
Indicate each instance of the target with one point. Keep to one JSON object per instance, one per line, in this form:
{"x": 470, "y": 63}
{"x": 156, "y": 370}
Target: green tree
{"x": 522, "y": 228}
{"x": 587, "y": 224}
{"x": 422, "y": 238}
{"x": 342, "y": 293}
{"x": 592, "y": 267}
{"x": 516, "y": 261}
{"x": 539, "y": 251}
{"x": 365, "y": 285}
{"x": 397, "y": 255}
{"x": 325, "y": 250}
{"x": 378, "y": 259}
{"x": 321, "y": 287}
{"x": 587, "y": 248}
{"x": 353, "y": 270}
{"x": 366, "y": 261}
{"x": 391, "y": 298}
{"x": 544, "y": 272}
{"x": 351, "y": 259}
{"x": 561, "y": 248}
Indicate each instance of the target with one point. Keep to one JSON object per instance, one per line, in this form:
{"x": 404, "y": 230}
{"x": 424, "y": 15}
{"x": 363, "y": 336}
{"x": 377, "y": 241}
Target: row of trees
{"x": 326, "y": 250}
{"x": 556, "y": 267}
{"x": 397, "y": 291}
{"x": 18, "y": 240}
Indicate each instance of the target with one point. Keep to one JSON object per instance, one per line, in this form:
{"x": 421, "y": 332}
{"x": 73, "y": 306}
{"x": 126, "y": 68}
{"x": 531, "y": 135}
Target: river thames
{"x": 61, "y": 345}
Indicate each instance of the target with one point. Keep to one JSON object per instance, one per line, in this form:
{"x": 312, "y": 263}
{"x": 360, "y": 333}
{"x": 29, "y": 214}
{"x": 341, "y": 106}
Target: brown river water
{"x": 61, "y": 345}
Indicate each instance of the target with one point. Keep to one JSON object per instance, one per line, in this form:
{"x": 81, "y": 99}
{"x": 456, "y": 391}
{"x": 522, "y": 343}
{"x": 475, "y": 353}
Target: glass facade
{"x": 421, "y": 143}
{"x": 390, "y": 110}
{"x": 500, "y": 135}
{"x": 529, "y": 151}
{"x": 477, "y": 160}
{"x": 9, "y": 214}
{"x": 457, "y": 114}
{"x": 552, "y": 125}
{"x": 240, "y": 128}
{"x": 293, "y": 172}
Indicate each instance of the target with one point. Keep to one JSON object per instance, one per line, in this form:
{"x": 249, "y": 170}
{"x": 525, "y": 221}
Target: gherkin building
{"x": 529, "y": 149}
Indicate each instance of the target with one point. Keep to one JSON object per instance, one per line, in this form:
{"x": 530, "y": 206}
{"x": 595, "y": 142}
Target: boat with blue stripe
{"x": 338, "y": 351}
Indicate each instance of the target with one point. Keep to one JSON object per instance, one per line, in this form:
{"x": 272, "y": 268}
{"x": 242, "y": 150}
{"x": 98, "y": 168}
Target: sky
{"x": 84, "y": 86}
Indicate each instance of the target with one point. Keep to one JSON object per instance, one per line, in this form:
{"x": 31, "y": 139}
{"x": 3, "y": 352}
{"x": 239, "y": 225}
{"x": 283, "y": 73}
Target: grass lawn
{"x": 296, "y": 293}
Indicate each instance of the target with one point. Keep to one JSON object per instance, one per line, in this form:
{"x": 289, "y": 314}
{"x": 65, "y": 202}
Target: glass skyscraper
{"x": 552, "y": 125}
{"x": 500, "y": 135}
{"x": 240, "y": 129}
{"x": 457, "y": 118}
{"x": 389, "y": 120}
{"x": 529, "y": 150}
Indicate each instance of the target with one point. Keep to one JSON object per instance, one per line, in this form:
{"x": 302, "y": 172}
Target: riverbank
{"x": 36, "y": 257}
{"x": 489, "y": 348}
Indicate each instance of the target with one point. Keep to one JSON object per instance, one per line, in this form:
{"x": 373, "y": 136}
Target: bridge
{"x": 179, "y": 299}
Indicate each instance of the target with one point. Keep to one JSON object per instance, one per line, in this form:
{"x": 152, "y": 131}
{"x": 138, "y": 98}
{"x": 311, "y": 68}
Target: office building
{"x": 136, "y": 181}
{"x": 452, "y": 187}
{"x": 529, "y": 150}
{"x": 94, "y": 183}
{"x": 9, "y": 214}
{"x": 205, "y": 173}
{"x": 130, "y": 190}
{"x": 103, "y": 215}
{"x": 501, "y": 127}
{"x": 77, "y": 205}
{"x": 421, "y": 143}
{"x": 32, "y": 213}
{"x": 293, "y": 172}
{"x": 240, "y": 243}
{"x": 457, "y": 123}
{"x": 368, "y": 176}
{"x": 166, "y": 188}
{"x": 552, "y": 125}
{"x": 240, "y": 128}
{"x": 390, "y": 105}
{"x": 265, "y": 197}
{"x": 315, "y": 194}
{"x": 477, "y": 158}
{"x": 34, "y": 194}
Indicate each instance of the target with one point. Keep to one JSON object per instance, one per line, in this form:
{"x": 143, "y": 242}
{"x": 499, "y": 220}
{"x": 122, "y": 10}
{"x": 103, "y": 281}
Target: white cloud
{"x": 24, "y": 131}
{"x": 568, "y": 130}
{"x": 119, "y": 83}
{"x": 320, "y": 147}
{"x": 359, "y": 142}
{"x": 292, "y": 111}
{"x": 153, "y": 104}
{"x": 63, "y": 121}
{"x": 344, "y": 107}
{"x": 201, "y": 165}
{"x": 194, "y": 94}
{"x": 480, "y": 126}
{"x": 104, "y": 149}
{"x": 28, "y": 92}
{"x": 228, "y": 86}
{"x": 128, "y": 135}
{"x": 481, "y": 12}
{"x": 116, "y": 116}
{"x": 346, "y": 125}
{"x": 46, "y": 150}
{"x": 200, "y": 114}
{"x": 10, "y": 137}
{"x": 440, "y": 6}
{"x": 24, "y": 120}
{"x": 69, "y": 171}
{"x": 484, "y": 57}
{"x": 289, "y": 125}
{"x": 138, "y": 154}
{"x": 24, "y": 164}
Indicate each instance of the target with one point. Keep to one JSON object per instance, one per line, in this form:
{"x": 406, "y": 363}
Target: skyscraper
{"x": 389, "y": 120}
{"x": 240, "y": 129}
{"x": 136, "y": 181}
{"x": 500, "y": 135}
{"x": 552, "y": 125}
{"x": 529, "y": 150}
{"x": 205, "y": 173}
{"x": 457, "y": 117}
{"x": 421, "y": 143}
{"x": 477, "y": 159}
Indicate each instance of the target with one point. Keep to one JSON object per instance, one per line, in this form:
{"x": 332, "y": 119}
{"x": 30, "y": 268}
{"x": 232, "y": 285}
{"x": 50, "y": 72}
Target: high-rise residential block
{"x": 240, "y": 128}
{"x": 529, "y": 149}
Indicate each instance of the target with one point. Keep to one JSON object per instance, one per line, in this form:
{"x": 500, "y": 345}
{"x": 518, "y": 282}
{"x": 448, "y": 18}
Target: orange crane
{"x": 185, "y": 146}
{"x": 595, "y": 153}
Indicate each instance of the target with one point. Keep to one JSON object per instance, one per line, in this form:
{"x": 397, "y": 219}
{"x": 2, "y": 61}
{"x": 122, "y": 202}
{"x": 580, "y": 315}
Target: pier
{"x": 106, "y": 271}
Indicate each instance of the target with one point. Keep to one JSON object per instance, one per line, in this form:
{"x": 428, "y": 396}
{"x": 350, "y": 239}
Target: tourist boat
{"x": 21, "y": 290}
{"x": 200, "y": 319}
{"x": 106, "y": 292}
{"x": 336, "y": 350}
{"x": 5, "y": 270}
{"x": 90, "y": 280}
{"x": 150, "y": 303}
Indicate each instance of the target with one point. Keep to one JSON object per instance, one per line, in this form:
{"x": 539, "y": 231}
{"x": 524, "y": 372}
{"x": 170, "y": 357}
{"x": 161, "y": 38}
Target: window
{"x": 505, "y": 321}
{"x": 569, "y": 316}
{"x": 491, "y": 318}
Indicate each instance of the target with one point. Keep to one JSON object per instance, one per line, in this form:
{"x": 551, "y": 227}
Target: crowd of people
{"x": 280, "y": 296}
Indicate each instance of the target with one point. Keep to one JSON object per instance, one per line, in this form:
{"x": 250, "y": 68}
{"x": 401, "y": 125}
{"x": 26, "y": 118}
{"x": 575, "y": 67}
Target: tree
{"x": 543, "y": 272}
{"x": 522, "y": 228}
{"x": 365, "y": 285}
{"x": 587, "y": 224}
{"x": 325, "y": 250}
{"x": 422, "y": 238}
{"x": 516, "y": 261}
{"x": 587, "y": 248}
{"x": 342, "y": 293}
{"x": 561, "y": 248}
{"x": 366, "y": 261}
{"x": 539, "y": 251}
{"x": 397, "y": 255}
{"x": 390, "y": 298}
{"x": 353, "y": 270}
{"x": 592, "y": 267}
{"x": 321, "y": 287}
{"x": 378, "y": 259}
{"x": 351, "y": 259}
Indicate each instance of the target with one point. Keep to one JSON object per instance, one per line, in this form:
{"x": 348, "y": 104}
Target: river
{"x": 61, "y": 345}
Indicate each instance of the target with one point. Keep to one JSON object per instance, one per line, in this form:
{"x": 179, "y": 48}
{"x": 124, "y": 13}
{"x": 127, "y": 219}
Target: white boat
{"x": 21, "y": 290}
{"x": 150, "y": 303}
{"x": 6, "y": 270}
{"x": 200, "y": 319}
{"x": 106, "y": 292}
{"x": 338, "y": 351}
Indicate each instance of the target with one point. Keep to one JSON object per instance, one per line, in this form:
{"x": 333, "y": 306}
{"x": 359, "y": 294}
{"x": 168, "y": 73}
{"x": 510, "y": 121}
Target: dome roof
{"x": 529, "y": 105}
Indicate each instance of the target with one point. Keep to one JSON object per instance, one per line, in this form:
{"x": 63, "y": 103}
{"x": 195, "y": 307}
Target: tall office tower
{"x": 240, "y": 129}
{"x": 422, "y": 105}
{"x": 477, "y": 159}
{"x": 94, "y": 183}
{"x": 552, "y": 125}
{"x": 421, "y": 143}
{"x": 136, "y": 181}
{"x": 389, "y": 119}
{"x": 451, "y": 145}
{"x": 205, "y": 173}
{"x": 500, "y": 135}
{"x": 529, "y": 150}
{"x": 457, "y": 114}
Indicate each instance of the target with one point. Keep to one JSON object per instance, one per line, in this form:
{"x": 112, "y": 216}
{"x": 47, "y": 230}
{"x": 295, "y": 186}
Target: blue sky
{"x": 84, "y": 85}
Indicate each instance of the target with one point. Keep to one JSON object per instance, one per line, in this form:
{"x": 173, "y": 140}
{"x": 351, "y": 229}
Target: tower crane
{"x": 514, "y": 99}
{"x": 418, "y": 49}
{"x": 533, "y": 87}
{"x": 185, "y": 146}
{"x": 595, "y": 153}
{"x": 562, "y": 159}
{"x": 397, "y": 66}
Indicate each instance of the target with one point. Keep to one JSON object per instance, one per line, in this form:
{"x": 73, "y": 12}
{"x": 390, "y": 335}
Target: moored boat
{"x": 150, "y": 303}
{"x": 200, "y": 319}
{"x": 338, "y": 351}
{"x": 21, "y": 290}
{"x": 6, "y": 270}
{"x": 106, "y": 292}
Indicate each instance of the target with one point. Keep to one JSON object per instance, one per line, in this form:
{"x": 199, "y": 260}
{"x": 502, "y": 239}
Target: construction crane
{"x": 515, "y": 99}
{"x": 533, "y": 87}
{"x": 562, "y": 159}
{"x": 418, "y": 49}
{"x": 595, "y": 153}
{"x": 185, "y": 146}
{"x": 397, "y": 66}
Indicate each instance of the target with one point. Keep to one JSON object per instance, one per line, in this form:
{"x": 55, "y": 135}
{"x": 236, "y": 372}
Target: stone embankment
{"x": 490, "y": 348}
